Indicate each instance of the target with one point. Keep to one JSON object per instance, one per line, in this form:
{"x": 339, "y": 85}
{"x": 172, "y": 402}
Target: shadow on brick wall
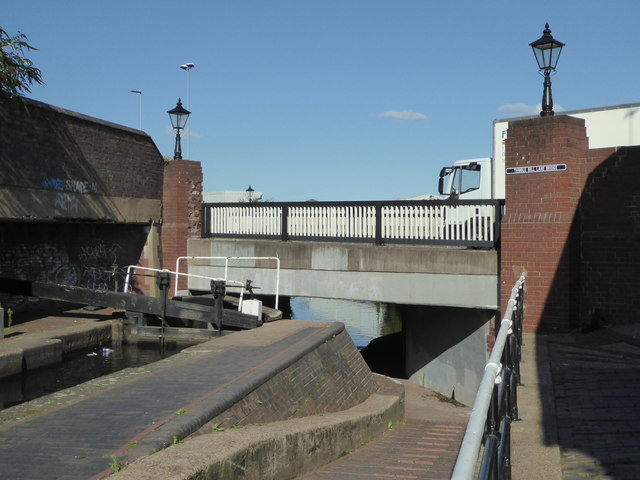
{"x": 593, "y": 372}
{"x": 597, "y": 276}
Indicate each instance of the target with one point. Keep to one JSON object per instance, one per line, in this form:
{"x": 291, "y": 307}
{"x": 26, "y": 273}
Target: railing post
{"x": 284, "y": 228}
{"x": 218, "y": 289}
{"x": 511, "y": 378}
{"x": 205, "y": 213}
{"x": 498, "y": 211}
{"x": 378, "y": 238}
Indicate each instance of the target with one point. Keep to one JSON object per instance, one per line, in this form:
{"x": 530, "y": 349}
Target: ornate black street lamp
{"x": 179, "y": 117}
{"x": 547, "y": 51}
{"x": 250, "y": 193}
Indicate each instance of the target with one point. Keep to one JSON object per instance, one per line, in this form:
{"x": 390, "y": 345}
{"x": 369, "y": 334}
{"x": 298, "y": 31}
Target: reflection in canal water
{"x": 364, "y": 321}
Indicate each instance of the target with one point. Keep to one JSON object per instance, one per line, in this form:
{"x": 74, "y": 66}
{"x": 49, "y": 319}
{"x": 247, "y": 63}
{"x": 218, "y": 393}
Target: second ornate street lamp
{"x": 547, "y": 51}
{"x": 179, "y": 116}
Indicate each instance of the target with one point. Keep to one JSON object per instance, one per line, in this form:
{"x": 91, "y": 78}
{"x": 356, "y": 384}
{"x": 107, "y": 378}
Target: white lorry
{"x": 484, "y": 178}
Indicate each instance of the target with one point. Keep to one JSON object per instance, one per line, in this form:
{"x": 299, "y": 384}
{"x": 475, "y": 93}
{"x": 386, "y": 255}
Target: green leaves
{"x": 17, "y": 72}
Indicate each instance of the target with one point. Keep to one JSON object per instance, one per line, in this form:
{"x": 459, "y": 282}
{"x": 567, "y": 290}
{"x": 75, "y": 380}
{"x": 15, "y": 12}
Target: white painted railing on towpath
{"x": 449, "y": 222}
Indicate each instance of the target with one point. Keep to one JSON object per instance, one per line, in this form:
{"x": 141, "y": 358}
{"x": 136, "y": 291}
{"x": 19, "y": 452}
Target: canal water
{"x": 364, "y": 321}
{"x": 80, "y": 367}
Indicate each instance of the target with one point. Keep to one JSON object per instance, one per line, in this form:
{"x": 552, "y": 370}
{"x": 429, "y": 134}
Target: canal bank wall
{"x": 26, "y": 352}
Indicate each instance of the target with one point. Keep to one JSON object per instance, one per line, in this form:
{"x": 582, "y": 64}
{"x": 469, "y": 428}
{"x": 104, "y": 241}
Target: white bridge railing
{"x": 463, "y": 222}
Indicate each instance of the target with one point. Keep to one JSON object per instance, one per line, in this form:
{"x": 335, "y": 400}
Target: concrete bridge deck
{"x": 402, "y": 274}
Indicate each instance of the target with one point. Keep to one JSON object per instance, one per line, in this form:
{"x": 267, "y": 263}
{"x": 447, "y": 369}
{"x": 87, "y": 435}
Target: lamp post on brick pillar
{"x": 547, "y": 52}
{"x": 179, "y": 116}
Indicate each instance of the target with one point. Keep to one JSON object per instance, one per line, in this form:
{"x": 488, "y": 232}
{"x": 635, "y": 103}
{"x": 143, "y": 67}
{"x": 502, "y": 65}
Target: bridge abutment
{"x": 445, "y": 348}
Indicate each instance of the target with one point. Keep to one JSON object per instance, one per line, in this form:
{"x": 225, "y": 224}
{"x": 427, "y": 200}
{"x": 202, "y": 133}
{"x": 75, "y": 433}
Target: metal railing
{"x": 496, "y": 404}
{"x": 132, "y": 269}
{"x": 226, "y": 270}
{"x": 473, "y": 223}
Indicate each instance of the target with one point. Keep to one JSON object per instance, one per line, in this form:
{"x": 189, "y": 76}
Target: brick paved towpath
{"x": 579, "y": 406}
{"x": 424, "y": 446}
{"x": 579, "y": 418}
{"x": 596, "y": 380}
{"x": 146, "y": 407}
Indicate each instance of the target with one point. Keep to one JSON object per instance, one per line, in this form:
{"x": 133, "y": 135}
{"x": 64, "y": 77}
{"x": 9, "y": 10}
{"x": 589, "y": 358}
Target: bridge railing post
{"x": 205, "y": 215}
{"x": 284, "y": 229}
{"x": 379, "y": 240}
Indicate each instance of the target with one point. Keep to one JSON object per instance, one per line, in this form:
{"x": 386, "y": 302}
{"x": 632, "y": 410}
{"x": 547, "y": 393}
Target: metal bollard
{"x": 164, "y": 282}
{"x": 218, "y": 289}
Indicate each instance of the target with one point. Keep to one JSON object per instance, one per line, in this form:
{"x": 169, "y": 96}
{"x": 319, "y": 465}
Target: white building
{"x": 231, "y": 196}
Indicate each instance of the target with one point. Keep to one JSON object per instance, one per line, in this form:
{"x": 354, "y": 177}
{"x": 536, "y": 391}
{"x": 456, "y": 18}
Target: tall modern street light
{"x": 547, "y": 51}
{"x": 139, "y": 92}
{"x": 179, "y": 117}
{"x": 187, "y": 68}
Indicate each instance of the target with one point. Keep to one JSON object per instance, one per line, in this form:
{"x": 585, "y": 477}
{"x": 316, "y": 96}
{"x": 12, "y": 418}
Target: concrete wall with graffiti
{"x": 91, "y": 256}
{"x": 79, "y": 198}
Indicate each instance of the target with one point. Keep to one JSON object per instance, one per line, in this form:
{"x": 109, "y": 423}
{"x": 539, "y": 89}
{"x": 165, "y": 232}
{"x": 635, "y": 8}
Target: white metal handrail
{"x": 131, "y": 268}
{"x": 468, "y": 456}
{"x": 226, "y": 269}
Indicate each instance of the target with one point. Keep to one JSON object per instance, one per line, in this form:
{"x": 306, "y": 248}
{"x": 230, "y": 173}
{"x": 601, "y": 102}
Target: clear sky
{"x": 326, "y": 99}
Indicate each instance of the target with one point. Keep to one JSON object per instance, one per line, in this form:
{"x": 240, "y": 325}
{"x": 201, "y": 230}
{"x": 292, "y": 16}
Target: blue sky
{"x": 326, "y": 99}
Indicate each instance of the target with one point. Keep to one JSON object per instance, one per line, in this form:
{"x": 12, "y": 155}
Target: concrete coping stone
{"x": 30, "y": 351}
{"x": 10, "y": 361}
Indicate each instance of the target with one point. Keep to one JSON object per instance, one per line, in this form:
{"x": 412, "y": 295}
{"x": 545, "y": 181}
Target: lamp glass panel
{"x": 178, "y": 120}
{"x": 539, "y": 53}
{"x": 555, "y": 55}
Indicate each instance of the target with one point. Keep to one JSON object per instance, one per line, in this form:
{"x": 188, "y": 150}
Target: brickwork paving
{"x": 597, "y": 395}
{"x": 425, "y": 446}
{"x": 135, "y": 417}
{"x": 414, "y": 450}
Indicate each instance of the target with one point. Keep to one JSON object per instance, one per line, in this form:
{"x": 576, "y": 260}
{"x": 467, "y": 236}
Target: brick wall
{"x": 50, "y": 148}
{"x": 575, "y": 233}
{"x": 609, "y": 218}
{"x": 332, "y": 378}
{"x": 539, "y": 213}
{"x": 182, "y": 198}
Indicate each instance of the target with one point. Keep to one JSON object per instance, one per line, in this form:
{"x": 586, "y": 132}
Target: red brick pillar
{"x": 538, "y": 229}
{"x": 182, "y": 198}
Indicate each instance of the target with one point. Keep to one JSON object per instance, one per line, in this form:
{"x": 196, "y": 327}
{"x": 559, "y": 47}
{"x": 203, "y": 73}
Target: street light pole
{"x": 179, "y": 117}
{"x": 547, "y": 52}
{"x": 139, "y": 92}
{"x": 187, "y": 68}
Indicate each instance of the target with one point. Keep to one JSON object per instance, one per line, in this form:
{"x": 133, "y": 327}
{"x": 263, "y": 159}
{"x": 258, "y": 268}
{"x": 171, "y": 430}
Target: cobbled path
{"x": 597, "y": 396}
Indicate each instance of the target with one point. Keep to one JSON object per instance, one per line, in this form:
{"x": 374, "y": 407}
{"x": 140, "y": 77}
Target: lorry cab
{"x": 466, "y": 180}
